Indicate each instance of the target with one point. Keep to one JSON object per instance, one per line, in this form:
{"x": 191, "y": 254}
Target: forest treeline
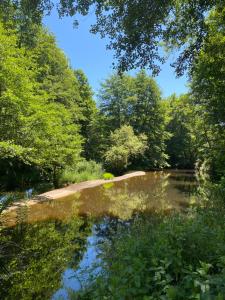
{"x": 50, "y": 121}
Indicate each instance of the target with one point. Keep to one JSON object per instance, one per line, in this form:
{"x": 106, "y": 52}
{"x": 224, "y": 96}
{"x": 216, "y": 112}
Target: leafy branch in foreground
{"x": 137, "y": 29}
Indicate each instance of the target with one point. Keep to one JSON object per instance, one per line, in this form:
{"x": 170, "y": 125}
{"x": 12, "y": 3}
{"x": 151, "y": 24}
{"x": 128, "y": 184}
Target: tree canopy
{"x": 137, "y": 29}
{"x": 42, "y": 107}
{"x": 208, "y": 93}
{"x": 137, "y": 101}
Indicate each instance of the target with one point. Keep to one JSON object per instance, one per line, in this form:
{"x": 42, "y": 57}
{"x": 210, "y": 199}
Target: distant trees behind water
{"x": 49, "y": 120}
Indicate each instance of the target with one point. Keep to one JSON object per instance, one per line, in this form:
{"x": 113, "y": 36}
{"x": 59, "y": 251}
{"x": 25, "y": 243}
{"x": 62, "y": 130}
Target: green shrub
{"x": 82, "y": 171}
{"x": 108, "y": 176}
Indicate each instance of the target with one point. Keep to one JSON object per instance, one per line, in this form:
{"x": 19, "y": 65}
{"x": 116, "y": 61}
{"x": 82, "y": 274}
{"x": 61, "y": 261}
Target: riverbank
{"x": 67, "y": 191}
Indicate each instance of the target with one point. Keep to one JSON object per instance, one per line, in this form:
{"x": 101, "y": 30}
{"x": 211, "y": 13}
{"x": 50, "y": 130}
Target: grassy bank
{"x": 82, "y": 171}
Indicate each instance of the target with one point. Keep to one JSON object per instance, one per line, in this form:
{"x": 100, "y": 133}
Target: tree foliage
{"x": 208, "y": 93}
{"x": 137, "y": 29}
{"x": 183, "y": 144}
{"x": 42, "y": 109}
{"x": 32, "y": 264}
{"x": 136, "y": 101}
{"x": 88, "y": 109}
{"x": 124, "y": 146}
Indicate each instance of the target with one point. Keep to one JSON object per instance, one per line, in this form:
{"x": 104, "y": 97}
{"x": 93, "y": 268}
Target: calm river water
{"x": 46, "y": 250}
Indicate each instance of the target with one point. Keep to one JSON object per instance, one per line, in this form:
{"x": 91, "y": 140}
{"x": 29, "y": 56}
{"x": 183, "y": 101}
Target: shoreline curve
{"x": 67, "y": 191}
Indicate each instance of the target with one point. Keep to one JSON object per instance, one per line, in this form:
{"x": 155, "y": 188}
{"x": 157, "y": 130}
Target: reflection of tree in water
{"x": 160, "y": 200}
{"x": 185, "y": 182}
{"x": 189, "y": 188}
{"x": 34, "y": 256}
{"x": 174, "y": 191}
{"x": 108, "y": 227}
{"x": 124, "y": 202}
{"x": 184, "y": 177}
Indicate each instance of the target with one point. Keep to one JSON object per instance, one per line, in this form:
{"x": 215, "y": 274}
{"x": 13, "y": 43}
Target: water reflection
{"x": 33, "y": 257}
{"x": 46, "y": 248}
{"x": 75, "y": 279}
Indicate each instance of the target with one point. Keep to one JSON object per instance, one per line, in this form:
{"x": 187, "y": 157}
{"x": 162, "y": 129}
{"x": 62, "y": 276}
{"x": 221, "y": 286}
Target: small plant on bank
{"x": 108, "y": 176}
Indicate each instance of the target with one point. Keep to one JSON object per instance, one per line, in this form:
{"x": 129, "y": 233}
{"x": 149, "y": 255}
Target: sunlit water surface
{"x": 47, "y": 250}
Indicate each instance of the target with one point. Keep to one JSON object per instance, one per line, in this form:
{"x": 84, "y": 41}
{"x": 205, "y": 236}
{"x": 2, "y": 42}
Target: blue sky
{"x": 88, "y": 52}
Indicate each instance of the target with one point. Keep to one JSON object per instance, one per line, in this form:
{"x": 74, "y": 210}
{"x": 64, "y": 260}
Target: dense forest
{"x": 52, "y": 130}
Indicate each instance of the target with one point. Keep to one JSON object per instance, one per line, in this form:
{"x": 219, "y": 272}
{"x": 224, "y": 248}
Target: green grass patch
{"x": 82, "y": 171}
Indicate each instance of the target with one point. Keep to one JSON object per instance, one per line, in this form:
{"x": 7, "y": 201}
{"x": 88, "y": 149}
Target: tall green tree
{"x": 116, "y": 97}
{"x": 88, "y": 110}
{"x": 25, "y": 17}
{"x": 136, "y": 101}
{"x": 98, "y": 136}
{"x": 183, "y": 145}
{"x": 208, "y": 90}
{"x": 149, "y": 117}
{"x": 54, "y": 75}
{"x": 36, "y": 130}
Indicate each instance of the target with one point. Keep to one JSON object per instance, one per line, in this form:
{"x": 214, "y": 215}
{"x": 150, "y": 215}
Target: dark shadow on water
{"x": 189, "y": 189}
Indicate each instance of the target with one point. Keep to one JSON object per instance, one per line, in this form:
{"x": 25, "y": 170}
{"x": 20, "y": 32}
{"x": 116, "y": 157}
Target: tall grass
{"x": 82, "y": 171}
